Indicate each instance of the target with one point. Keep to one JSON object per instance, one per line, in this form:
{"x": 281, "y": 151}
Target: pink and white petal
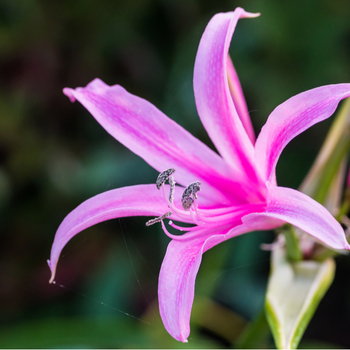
{"x": 141, "y": 200}
{"x": 181, "y": 263}
{"x": 212, "y": 94}
{"x": 160, "y": 141}
{"x": 239, "y": 100}
{"x": 302, "y": 211}
{"x": 290, "y": 119}
{"x": 253, "y": 221}
{"x": 177, "y": 280}
{"x": 257, "y": 222}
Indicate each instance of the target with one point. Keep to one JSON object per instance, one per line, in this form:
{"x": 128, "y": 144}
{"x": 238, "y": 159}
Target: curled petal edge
{"x": 298, "y": 209}
{"x": 215, "y": 105}
{"x": 180, "y": 267}
{"x": 140, "y": 200}
{"x": 290, "y": 119}
{"x": 177, "y": 282}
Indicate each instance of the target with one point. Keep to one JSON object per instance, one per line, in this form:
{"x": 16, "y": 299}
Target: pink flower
{"x": 238, "y": 189}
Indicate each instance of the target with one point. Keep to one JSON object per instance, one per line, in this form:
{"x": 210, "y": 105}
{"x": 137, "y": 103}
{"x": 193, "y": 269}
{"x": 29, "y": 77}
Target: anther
{"x": 191, "y": 190}
{"x": 159, "y": 219}
{"x": 187, "y": 202}
{"x": 163, "y": 176}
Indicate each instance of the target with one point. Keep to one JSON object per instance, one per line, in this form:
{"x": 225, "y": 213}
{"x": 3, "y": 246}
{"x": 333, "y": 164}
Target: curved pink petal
{"x": 302, "y": 211}
{"x": 180, "y": 267}
{"x": 177, "y": 279}
{"x": 292, "y": 118}
{"x": 257, "y": 222}
{"x": 213, "y": 99}
{"x": 138, "y": 200}
{"x": 160, "y": 141}
{"x": 239, "y": 100}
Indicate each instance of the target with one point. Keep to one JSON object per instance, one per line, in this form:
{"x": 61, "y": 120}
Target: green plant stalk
{"x": 331, "y": 170}
{"x": 255, "y": 334}
{"x": 328, "y": 162}
{"x": 345, "y": 207}
{"x": 294, "y": 252}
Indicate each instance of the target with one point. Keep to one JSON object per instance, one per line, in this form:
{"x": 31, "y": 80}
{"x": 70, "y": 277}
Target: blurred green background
{"x": 53, "y": 156}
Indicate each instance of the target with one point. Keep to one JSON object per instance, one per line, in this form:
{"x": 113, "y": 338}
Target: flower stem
{"x": 255, "y": 334}
{"x": 330, "y": 157}
{"x": 294, "y": 252}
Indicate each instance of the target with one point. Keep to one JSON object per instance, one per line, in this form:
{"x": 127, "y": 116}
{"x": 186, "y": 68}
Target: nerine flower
{"x": 222, "y": 195}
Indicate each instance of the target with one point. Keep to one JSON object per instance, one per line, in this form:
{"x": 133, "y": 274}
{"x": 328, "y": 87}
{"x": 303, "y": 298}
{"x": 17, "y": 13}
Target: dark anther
{"x": 191, "y": 190}
{"x": 187, "y": 202}
{"x": 163, "y": 176}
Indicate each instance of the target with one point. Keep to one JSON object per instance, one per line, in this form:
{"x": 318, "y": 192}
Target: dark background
{"x": 53, "y": 156}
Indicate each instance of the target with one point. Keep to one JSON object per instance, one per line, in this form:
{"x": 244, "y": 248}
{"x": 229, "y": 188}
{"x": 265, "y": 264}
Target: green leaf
{"x": 293, "y": 294}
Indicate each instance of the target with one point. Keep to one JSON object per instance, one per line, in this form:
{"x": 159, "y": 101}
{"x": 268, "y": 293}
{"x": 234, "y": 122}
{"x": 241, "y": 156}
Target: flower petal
{"x": 161, "y": 142}
{"x": 180, "y": 266}
{"x": 292, "y": 118}
{"x": 138, "y": 200}
{"x": 239, "y": 100}
{"x": 213, "y": 99}
{"x": 258, "y": 222}
{"x": 302, "y": 211}
{"x": 177, "y": 280}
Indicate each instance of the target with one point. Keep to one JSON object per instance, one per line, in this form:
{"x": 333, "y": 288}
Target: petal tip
{"x": 53, "y": 272}
{"x": 246, "y": 14}
{"x": 252, "y": 15}
{"x": 69, "y": 93}
{"x": 182, "y": 338}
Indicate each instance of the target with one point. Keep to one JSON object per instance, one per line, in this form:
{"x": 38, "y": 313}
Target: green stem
{"x": 294, "y": 252}
{"x": 333, "y": 152}
{"x": 255, "y": 334}
{"x": 333, "y": 166}
{"x": 345, "y": 207}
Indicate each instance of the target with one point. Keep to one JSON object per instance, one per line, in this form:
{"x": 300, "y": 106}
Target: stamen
{"x": 163, "y": 176}
{"x": 187, "y": 202}
{"x": 185, "y": 215}
{"x": 175, "y": 237}
{"x": 185, "y": 236}
{"x": 191, "y": 190}
{"x": 196, "y": 217}
{"x": 172, "y": 189}
{"x": 180, "y": 213}
{"x": 180, "y": 228}
{"x": 159, "y": 219}
{"x": 168, "y": 233}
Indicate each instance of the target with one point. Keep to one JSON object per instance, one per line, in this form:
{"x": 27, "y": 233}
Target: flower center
{"x": 189, "y": 213}
{"x": 189, "y": 207}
